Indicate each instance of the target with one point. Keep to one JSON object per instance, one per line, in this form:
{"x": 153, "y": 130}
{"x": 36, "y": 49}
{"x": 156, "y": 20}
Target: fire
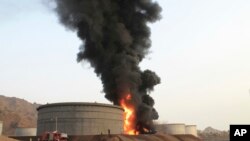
{"x": 129, "y": 116}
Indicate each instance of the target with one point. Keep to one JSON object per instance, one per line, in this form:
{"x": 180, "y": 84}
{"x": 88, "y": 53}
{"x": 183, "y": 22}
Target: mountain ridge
{"x": 16, "y": 112}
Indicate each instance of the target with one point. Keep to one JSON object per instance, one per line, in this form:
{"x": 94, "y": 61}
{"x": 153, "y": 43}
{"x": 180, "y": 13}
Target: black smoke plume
{"x": 115, "y": 39}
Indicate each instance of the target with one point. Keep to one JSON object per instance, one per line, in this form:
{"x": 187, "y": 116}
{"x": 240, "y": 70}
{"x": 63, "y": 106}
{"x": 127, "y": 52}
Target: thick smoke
{"x": 115, "y": 39}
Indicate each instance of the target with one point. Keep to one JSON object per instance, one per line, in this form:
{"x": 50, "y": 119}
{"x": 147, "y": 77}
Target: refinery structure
{"x": 81, "y": 118}
{"x": 86, "y": 121}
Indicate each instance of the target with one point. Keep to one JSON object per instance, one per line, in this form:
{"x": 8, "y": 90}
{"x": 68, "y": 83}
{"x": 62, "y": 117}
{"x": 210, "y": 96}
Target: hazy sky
{"x": 200, "y": 50}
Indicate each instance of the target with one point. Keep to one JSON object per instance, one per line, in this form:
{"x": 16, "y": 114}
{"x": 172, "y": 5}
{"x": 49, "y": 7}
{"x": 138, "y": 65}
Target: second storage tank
{"x": 175, "y": 129}
{"x": 1, "y": 127}
{"x": 191, "y": 129}
{"x": 25, "y": 131}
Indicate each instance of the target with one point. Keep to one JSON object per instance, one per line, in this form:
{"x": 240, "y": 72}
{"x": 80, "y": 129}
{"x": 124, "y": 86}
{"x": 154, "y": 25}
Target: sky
{"x": 200, "y": 49}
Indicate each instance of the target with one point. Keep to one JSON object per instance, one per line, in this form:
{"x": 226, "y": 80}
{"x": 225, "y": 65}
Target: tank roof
{"x": 175, "y": 124}
{"x": 191, "y": 125}
{"x": 78, "y": 104}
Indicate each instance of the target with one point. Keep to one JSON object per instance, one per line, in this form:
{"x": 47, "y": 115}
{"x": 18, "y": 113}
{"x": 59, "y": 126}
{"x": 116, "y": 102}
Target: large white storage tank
{"x": 1, "y": 127}
{"x": 25, "y": 132}
{"x": 80, "y": 118}
{"x": 175, "y": 128}
{"x": 191, "y": 129}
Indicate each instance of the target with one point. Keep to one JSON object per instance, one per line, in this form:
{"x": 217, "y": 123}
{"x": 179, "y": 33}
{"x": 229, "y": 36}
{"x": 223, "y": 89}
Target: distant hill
{"x": 211, "y": 134}
{"x": 16, "y": 112}
{"x": 210, "y": 130}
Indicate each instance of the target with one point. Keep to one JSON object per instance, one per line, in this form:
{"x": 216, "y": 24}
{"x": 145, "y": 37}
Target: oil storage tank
{"x": 175, "y": 129}
{"x": 25, "y": 131}
{"x": 191, "y": 129}
{"x": 1, "y": 127}
{"x": 80, "y": 118}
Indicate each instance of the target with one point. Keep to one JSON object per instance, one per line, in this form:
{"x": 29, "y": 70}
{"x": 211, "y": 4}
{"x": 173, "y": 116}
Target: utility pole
{"x": 56, "y": 123}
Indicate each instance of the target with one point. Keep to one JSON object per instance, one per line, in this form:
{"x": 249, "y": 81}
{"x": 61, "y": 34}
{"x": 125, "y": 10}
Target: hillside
{"x": 211, "y": 134}
{"x": 15, "y": 112}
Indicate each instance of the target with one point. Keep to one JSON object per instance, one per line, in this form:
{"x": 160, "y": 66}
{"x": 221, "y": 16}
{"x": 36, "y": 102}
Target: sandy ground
{"x": 3, "y": 138}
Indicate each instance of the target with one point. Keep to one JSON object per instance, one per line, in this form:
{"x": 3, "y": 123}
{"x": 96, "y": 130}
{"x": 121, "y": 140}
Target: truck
{"x": 53, "y": 136}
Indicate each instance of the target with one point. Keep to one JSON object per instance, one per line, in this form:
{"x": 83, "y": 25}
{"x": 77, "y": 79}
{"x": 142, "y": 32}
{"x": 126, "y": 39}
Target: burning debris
{"x": 115, "y": 39}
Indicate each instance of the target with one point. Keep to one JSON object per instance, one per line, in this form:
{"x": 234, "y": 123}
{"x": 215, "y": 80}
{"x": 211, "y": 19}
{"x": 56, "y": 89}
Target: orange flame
{"x": 129, "y": 116}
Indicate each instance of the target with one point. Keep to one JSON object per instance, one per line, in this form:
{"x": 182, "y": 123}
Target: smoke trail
{"x": 115, "y": 39}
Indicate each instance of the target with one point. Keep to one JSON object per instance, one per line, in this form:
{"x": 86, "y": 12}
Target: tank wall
{"x": 175, "y": 129}
{"x": 161, "y": 128}
{"x": 80, "y": 119}
{"x": 1, "y": 127}
{"x": 191, "y": 129}
{"x": 25, "y": 132}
